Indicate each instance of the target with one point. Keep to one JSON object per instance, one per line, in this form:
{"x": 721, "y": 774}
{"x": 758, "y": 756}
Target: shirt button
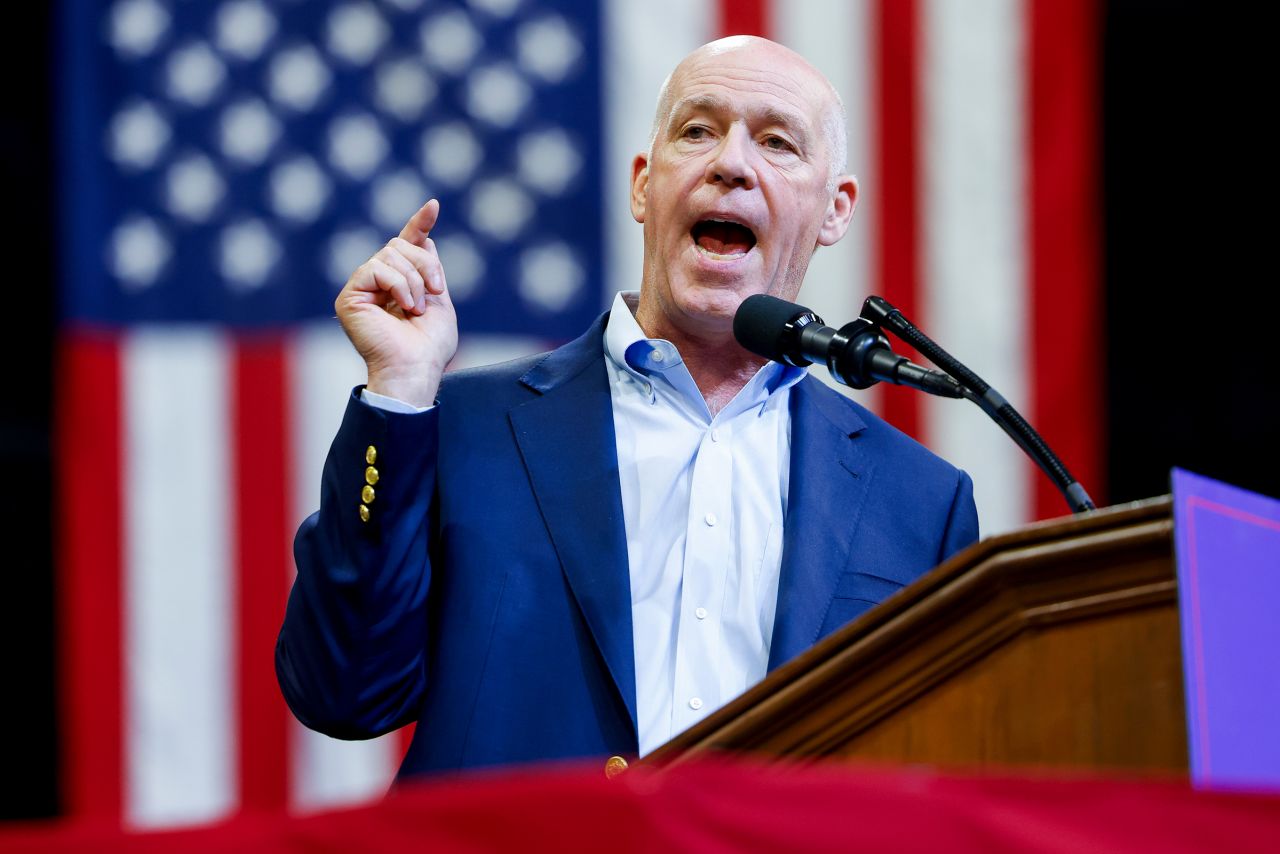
{"x": 648, "y": 389}
{"x": 658, "y": 357}
{"x": 695, "y": 703}
{"x": 711, "y": 519}
{"x": 701, "y": 613}
{"x": 715, "y": 435}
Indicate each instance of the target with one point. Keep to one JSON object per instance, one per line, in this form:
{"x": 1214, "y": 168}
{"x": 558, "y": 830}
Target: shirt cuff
{"x": 391, "y": 404}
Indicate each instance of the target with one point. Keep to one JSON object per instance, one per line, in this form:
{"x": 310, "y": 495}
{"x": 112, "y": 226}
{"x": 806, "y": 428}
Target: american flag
{"x": 225, "y": 165}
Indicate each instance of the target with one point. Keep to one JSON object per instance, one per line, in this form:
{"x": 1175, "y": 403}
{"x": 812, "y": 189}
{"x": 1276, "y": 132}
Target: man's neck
{"x": 720, "y": 373}
{"x": 720, "y": 367}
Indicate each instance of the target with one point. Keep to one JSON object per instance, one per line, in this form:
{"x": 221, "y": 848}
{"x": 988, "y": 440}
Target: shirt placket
{"x": 708, "y": 553}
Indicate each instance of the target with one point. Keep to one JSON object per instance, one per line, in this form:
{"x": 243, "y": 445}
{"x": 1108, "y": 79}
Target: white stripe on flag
{"x": 323, "y": 368}
{"x": 179, "y": 741}
{"x": 835, "y": 36}
{"x": 642, "y": 44}
{"x": 975, "y": 265}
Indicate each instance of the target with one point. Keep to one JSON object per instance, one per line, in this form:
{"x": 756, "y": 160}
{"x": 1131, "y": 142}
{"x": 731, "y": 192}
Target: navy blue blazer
{"x": 487, "y": 596}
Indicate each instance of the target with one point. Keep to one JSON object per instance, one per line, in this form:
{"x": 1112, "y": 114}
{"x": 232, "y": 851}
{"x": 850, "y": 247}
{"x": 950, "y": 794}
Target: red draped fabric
{"x": 724, "y": 806}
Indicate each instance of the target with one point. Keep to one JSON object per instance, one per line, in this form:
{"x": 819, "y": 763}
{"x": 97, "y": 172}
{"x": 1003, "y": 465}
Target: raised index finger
{"x": 420, "y": 224}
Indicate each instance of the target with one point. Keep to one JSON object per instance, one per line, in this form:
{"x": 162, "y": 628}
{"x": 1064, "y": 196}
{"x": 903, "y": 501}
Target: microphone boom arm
{"x": 879, "y": 312}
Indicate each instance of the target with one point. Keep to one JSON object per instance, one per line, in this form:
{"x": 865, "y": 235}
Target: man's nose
{"x": 731, "y": 162}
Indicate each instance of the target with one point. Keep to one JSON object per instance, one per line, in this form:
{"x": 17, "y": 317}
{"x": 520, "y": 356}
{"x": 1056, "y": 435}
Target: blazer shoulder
{"x": 484, "y": 380}
{"x": 519, "y": 377}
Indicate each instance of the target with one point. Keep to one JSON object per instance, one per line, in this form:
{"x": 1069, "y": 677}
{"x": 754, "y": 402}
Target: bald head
{"x": 832, "y": 118}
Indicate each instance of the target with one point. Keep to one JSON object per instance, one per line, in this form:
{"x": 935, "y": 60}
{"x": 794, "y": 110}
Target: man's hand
{"x": 395, "y": 308}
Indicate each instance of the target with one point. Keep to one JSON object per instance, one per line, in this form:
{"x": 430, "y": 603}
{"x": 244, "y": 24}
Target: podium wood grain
{"x": 1056, "y": 645}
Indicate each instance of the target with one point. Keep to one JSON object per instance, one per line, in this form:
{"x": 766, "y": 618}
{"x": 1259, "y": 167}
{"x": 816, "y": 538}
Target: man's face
{"x": 736, "y": 193}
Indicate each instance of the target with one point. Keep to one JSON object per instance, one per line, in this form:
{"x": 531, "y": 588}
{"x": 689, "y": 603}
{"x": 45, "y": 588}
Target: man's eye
{"x": 777, "y": 143}
{"x": 695, "y": 132}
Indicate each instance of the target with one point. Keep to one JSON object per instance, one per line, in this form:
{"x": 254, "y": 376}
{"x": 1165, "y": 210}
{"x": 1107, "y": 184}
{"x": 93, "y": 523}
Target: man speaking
{"x": 585, "y": 552}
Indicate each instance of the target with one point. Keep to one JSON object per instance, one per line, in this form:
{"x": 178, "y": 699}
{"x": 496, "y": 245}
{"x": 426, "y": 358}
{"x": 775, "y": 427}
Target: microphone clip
{"x": 851, "y": 350}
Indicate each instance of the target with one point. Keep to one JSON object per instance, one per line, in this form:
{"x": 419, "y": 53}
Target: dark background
{"x": 1188, "y": 196}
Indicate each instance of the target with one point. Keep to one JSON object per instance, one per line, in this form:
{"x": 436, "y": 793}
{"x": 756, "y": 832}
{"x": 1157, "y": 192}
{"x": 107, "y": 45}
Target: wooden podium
{"x": 1056, "y": 646}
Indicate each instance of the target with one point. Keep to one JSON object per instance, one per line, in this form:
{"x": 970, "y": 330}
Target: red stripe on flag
{"x": 895, "y": 247}
{"x": 262, "y": 475}
{"x": 88, "y": 444}
{"x": 743, "y": 18}
{"x": 1064, "y": 179}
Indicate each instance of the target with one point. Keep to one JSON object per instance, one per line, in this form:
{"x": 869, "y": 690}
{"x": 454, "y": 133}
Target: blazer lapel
{"x": 829, "y": 484}
{"x": 566, "y": 439}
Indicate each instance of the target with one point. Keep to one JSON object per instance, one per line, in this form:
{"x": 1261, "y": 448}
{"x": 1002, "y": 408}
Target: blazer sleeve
{"x": 350, "y": 657}
{"x": 962, "y": 522}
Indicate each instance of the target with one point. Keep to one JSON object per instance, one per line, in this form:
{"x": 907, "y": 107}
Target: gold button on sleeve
{"x": 371, "y": 476}
{"x": 614, "y": 766}
{"x": 364, "y": 513}
{"x": 371, "y": 455}
{"x": 367, "y": 494}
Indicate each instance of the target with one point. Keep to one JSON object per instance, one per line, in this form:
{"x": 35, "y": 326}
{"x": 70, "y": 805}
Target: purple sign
{"x": 1228, "y": 552}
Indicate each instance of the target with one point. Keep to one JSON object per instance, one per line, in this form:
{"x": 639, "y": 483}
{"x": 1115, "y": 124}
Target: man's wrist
{"x": 417, "y": 391}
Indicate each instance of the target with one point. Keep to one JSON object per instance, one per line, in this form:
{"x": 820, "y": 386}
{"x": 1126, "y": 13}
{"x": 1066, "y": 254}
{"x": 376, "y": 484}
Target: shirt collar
{"x": 654, "y": 361}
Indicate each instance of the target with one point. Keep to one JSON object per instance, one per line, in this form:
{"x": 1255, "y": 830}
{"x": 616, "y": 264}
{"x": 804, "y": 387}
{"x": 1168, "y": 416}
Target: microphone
{"x": 857, "y": 354}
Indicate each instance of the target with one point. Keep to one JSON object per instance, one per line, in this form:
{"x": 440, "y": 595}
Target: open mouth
{"x": 724, "y": 239}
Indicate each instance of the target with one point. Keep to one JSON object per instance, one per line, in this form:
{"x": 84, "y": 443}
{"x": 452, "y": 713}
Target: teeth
{"x": 718, "y": 256}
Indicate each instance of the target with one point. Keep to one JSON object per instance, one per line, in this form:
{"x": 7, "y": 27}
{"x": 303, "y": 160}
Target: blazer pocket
{"x": 868, "y": 588}
{"x": 856, "y": 593}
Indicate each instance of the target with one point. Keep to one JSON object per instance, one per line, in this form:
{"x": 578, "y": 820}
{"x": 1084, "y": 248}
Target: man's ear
{"x": 839, "y": 210}
{"x": 639, "y": 186}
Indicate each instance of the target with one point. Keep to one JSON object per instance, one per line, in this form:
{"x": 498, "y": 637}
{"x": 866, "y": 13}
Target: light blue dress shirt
{"x": 703, "y": 498}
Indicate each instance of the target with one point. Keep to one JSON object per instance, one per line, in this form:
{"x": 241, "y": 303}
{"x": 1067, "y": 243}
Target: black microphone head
{"x": 769, "y": 327}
